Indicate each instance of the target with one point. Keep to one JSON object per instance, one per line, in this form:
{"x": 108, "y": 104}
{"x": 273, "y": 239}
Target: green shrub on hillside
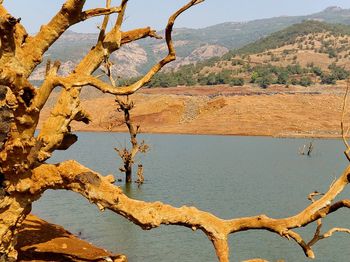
{"x": 316, "y": 70}
{"x": 265, "y": 81}
{"x": 237, "y": 81}
{"x": 339, "y": 73}
{"x": 295, "y": 69}
{"x": 283, "y": 77}
{"x": 328, "y": 79}
{"x": 332, "y": 53}
{"x": 305, "y": 81}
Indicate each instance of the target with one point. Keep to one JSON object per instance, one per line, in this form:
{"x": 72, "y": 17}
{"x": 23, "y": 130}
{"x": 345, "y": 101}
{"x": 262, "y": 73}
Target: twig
{"x": 342, "y": 125}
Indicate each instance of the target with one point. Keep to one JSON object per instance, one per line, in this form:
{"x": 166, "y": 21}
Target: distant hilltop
{"x": 333, "y": 9}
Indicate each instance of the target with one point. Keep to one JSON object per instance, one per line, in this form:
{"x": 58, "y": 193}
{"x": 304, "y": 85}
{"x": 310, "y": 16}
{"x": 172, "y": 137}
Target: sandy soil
{"x": 277, "y": 111}
{"x": 41, "y": 241}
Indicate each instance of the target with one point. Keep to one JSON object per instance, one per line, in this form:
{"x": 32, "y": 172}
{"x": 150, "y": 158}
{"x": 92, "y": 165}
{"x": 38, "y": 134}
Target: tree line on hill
{"x": 262, "y": 75}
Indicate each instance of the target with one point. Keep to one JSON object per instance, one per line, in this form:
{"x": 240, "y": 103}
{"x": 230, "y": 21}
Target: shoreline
{"x": 291, "y": 136}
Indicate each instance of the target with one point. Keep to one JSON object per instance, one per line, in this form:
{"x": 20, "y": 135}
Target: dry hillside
{"x": 317, "y": 50}
{"x": 223, "y": 110}
{"x": 321, "y": 49}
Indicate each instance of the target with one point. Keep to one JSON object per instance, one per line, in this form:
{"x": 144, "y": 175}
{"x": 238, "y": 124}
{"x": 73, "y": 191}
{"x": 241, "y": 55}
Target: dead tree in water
{"x": 140, "y": 177}
{"x": 307, "y": 149}
{"x": 25, "y": 173}
{"x": 128, "y": 156}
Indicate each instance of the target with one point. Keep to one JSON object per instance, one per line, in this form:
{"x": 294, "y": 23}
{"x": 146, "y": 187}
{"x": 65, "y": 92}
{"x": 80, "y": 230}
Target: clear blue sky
{"x": 155, "y": 12}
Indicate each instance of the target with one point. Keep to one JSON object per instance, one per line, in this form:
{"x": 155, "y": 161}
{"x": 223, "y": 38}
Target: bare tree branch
{"x": 300, "y": 241}
{"x": 334, "y": 230}
{"x": 104, "y": 24}
{"x": 71, "y": 175}
{"x": 98, "y": 12}
{"x": 99, "y": 190}
{"x": 71, "y": 13}
{"x": 57, "y": 125}
{"x": 83, "y": 80}
{"x": 317, "y": 236}
{"x": 47, "y": 86}
{"x": 121, "y": 15}
{"x": 137, "y": 34}
{"x": 342, "y": 124}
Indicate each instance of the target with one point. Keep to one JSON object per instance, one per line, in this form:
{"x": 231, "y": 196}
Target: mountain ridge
{"x": 193, "y": 45}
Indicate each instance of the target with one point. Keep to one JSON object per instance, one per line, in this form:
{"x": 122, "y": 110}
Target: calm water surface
{"x": 228, "y": 176}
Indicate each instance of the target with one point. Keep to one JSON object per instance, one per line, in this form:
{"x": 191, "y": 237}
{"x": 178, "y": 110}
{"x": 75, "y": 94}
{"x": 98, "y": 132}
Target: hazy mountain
{"x": 192, "y": 45}
{"x": 237, "y": 34}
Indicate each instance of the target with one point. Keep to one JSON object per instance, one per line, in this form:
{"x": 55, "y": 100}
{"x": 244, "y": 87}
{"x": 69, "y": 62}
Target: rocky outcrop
{"x": 129, "y": 61}
{"x": 41, "y": 241}
{"x": 201, "y": 53}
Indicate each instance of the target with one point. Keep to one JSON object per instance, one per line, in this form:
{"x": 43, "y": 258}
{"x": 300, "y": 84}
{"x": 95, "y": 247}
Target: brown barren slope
{"x": 276, "y": 111}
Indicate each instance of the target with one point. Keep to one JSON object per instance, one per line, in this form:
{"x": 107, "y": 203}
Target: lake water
{"x": 228, "y": 176}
